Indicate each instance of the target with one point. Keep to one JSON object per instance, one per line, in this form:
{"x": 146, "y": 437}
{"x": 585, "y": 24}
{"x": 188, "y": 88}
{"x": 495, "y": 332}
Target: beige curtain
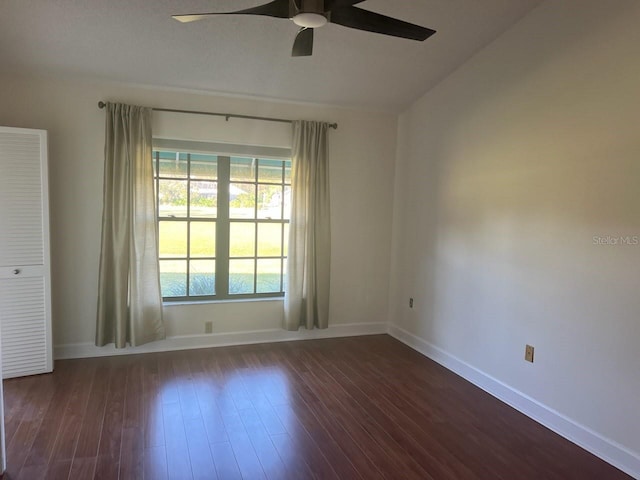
{"x": 309, "y": 258}
{"x": 129, "y": 299}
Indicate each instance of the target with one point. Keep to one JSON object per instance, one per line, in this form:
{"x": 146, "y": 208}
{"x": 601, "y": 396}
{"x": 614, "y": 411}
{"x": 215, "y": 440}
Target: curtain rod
{"x": 101, "y": 104}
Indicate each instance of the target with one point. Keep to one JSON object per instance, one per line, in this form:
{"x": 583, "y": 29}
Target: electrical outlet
{"x": 208, "y": 327}
{"x": 411, "y": 303}
{"x": 528, "y": 353}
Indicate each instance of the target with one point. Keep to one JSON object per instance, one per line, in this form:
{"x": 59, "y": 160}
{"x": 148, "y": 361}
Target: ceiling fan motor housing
{"x": 309, "y": 6}
{"x": 309, "y": 13}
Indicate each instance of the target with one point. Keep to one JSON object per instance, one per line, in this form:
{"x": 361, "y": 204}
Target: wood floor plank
{"x": 178, "y": 464}
{"x": 167, "y": 377}
{"x": 248, "y": 462}
{"x": 266, "y": 452}
{"x": 71, "y": 422}
{"x": 202, "y": 465}
{"x": 332, "y": 452}
{"x": 89, "y": 436}
{"x": 33, "y": 472}
{"x": 58, "y": 470}
{"x": 211, "y": 416}
{"x": 17, "y": 391}
{"x": 415, "y": 427}
{"x": 435, "y": 460}
{"x": 361, "y": 407}
{"x": 333, "y": 409}
{"x": 305, "y": 446}
{"x": 110, "y": 446}
{"x": 132, "y": 453}
{"x": 45, "y": 441}
{"x": 323, "y": 417}
{"x": 82, "y": 468}
{"x": 153, "y": 424}
{"x": 379, "y": 446}
{"x": 184, "y": 383}
{"x": 133, "y": 400}
{"x": 458, "y": 434}
{"x": 31, "y": 417}
{"x": 225, "y": 461}
{"x": 155, "y": 463}
{"x": 292, "y": 457}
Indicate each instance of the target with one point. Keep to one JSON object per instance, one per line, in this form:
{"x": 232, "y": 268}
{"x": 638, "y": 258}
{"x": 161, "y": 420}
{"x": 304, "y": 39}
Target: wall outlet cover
{"x": 528, "y": 353}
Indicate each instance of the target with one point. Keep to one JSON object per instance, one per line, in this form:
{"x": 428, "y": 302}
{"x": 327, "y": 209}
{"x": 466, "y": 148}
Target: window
{"x": 223, "y": 223}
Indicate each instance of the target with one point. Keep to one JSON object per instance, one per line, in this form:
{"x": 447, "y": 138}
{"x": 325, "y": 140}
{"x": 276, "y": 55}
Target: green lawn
{"x": 174, "y": 284}
{"x": 173, "y": 239}
{"x": 173, "y": 243}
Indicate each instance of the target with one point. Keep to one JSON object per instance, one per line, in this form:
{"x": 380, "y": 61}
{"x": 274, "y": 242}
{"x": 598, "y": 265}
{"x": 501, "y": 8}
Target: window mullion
{"x": 157, "y": 192}
{"x": 222, "y": 228}
{"x": 282, "y": 239}
{"x": 157, "y": 183}
{"x": 188, "y": 224}
{"x": 255, "y": 230}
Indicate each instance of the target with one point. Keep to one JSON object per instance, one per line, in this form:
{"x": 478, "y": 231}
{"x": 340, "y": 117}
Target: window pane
{"x": 242, "y": 200}
{"x": 204, "y": 199}
{"x": 270, "y": 171}
{"x": 241, "y": 275}
{"x": 268, "y": 276}
{"x": 173, "y": 278}
{"x": 242, "y": 239}
{"x": 287, "y": 172}
{"x": 173, "y": 239}
{"x": 203, "y": 239}
{"x": 286, "y": 240}
{"x": 270, "y": 201}
{"x": 204, "y": 166}
{"x": 202, "y": 277}
{"x": 287, "y": 203}
{"x": 284, "y": 275}
{"x": 243, "y": 169}
{"x": 173, "y": 164}
{"x": 269, "y": 239}
{"x": 172, "y": 196}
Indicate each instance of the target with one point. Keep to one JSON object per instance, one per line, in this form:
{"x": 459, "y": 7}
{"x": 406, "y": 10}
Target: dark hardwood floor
{"x": 357, "y": 408}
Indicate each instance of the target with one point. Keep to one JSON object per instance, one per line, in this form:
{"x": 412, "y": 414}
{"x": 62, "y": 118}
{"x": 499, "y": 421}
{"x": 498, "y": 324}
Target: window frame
{"x": 223, "y": 220}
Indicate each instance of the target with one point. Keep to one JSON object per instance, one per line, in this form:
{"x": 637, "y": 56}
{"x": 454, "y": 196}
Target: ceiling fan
{"x": 311, "y": 14}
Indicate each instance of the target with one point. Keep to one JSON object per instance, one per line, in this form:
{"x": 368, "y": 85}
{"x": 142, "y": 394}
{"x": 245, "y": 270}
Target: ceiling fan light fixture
{"x": 310, "y": 20}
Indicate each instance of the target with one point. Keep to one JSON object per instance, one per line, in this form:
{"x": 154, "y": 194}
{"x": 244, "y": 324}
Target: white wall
{"x": 505, "y": 173}
{"x": 362, "y": 162}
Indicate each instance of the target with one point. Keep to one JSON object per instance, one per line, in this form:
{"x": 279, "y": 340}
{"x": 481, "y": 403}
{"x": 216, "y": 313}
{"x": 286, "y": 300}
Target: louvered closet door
{"x": 25, "y": 318}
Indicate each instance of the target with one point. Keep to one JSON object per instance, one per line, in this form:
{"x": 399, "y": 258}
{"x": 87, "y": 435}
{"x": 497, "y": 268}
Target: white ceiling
{"x": 137, "y": 41}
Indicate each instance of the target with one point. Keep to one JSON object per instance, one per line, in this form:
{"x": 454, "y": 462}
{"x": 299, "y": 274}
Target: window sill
{"x": 227, "y": 300}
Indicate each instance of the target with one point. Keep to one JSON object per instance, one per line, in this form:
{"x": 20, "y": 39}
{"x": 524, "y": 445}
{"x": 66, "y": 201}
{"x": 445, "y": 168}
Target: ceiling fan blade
{"x": 360, "y": 19}
{"x": 331, "y": 4}
{"x": 303, "y": 44}
{"x": 277, "y": 8}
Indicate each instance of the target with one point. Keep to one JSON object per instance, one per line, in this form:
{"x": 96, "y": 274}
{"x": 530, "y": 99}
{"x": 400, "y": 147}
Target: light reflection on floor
{"x": 236, "y": 407}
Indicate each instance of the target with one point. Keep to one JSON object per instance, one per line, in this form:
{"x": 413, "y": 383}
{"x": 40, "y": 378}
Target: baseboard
{"x": 188, "y": 342}
{"x": 608, "y": 450}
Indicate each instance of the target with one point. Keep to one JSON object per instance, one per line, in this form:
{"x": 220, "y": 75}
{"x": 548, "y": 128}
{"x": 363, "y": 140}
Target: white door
{"x": 25, "y": 300}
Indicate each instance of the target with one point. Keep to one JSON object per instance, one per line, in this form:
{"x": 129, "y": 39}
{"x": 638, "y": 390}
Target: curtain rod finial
{"x": 101, "y": 104}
